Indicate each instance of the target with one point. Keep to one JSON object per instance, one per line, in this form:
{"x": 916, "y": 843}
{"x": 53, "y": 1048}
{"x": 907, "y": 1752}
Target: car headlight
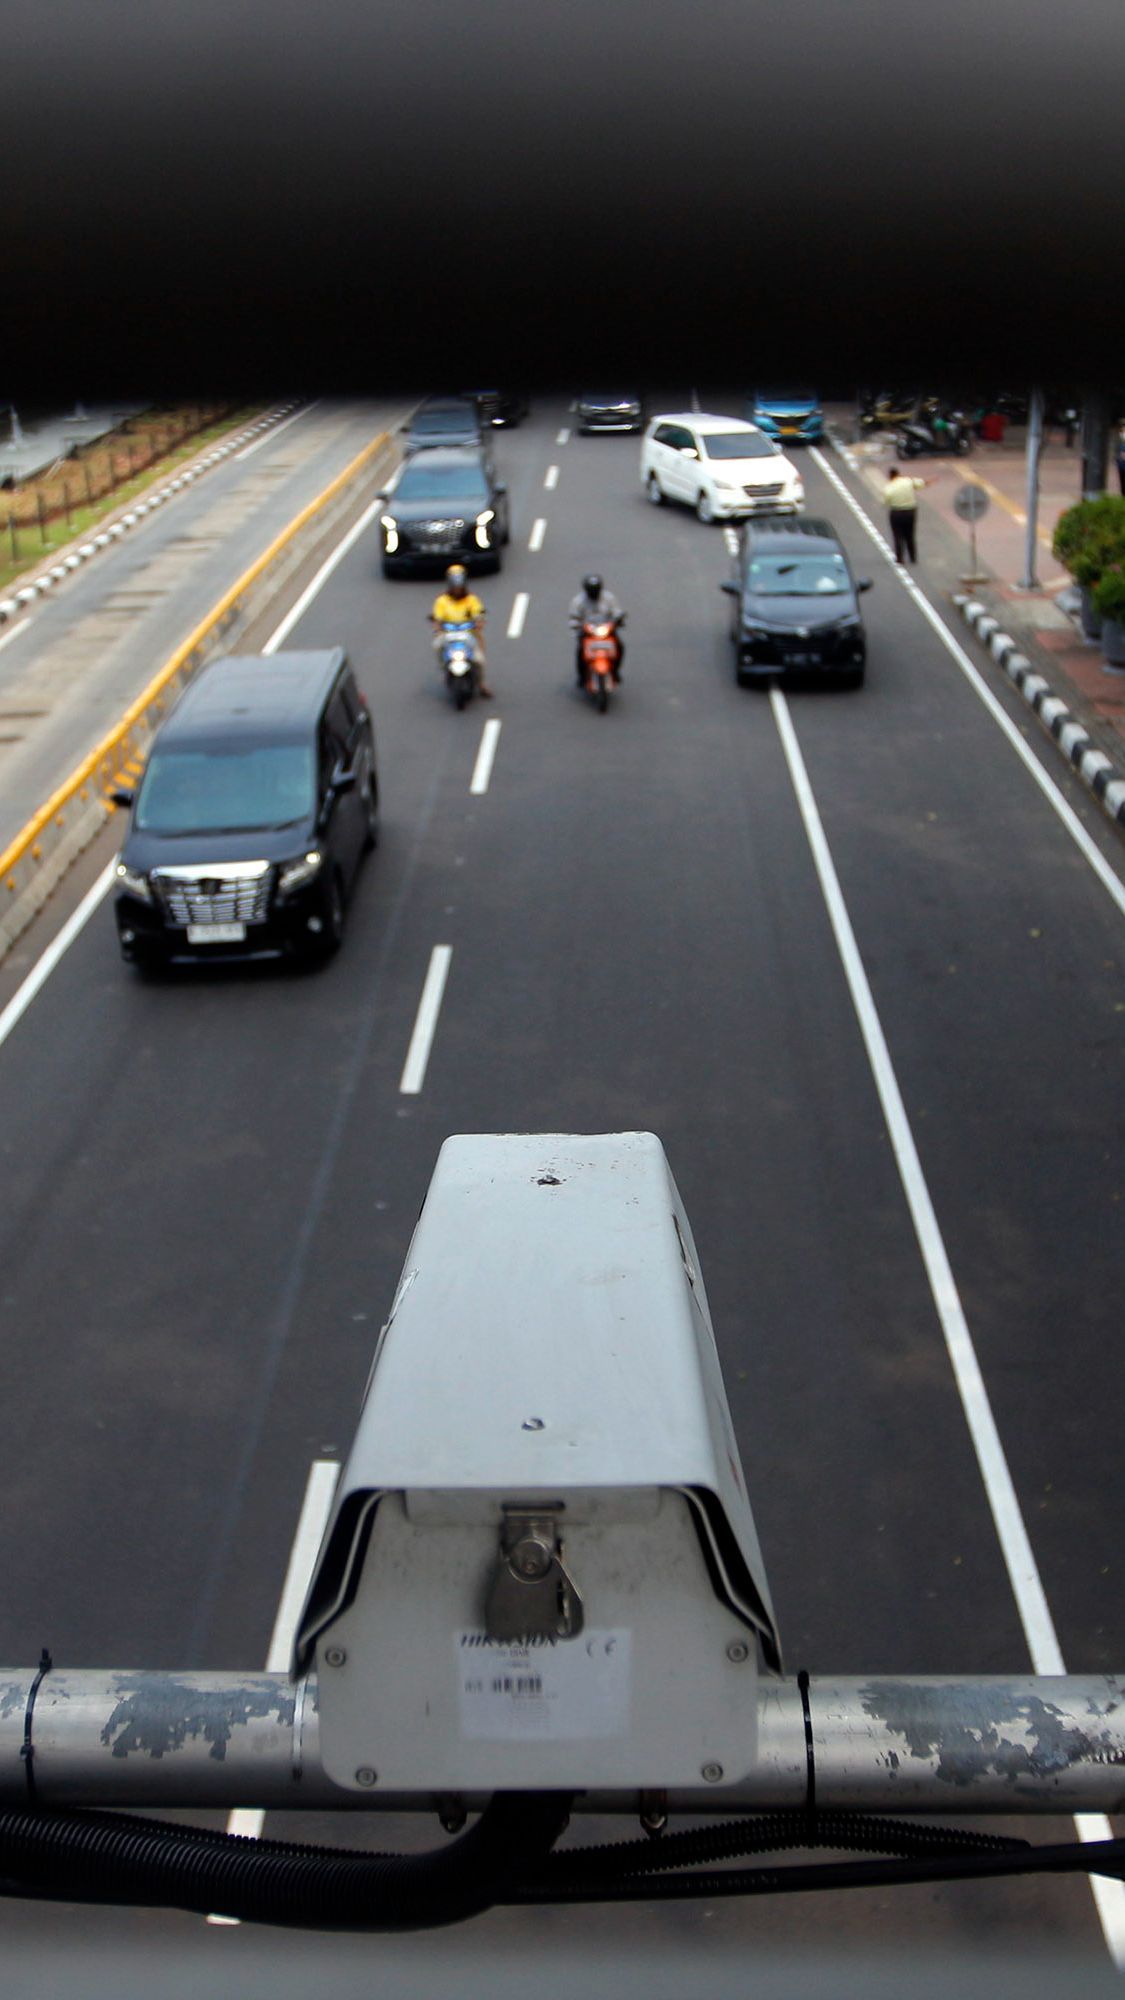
{"x": 295, "y": 874}
{"x": 482, "y": 526}
{"x": 390, "y": 532}
{"x": 723, "y": 485}
{"x": 134, "y": 884}
{"x": 850, "y": 623}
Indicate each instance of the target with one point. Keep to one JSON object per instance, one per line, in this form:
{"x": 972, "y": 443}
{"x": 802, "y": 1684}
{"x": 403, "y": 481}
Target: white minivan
{"x": 721, "y": 466}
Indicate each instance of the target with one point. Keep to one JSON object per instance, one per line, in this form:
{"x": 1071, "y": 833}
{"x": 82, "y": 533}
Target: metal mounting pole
{"x": 921, "y": 1744}
{"x": 1030, "y": 578}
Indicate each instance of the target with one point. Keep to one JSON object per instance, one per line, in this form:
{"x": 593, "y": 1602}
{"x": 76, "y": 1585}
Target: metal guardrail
{"x": 72, "y": 818}
{"x": 932, "y": 1743}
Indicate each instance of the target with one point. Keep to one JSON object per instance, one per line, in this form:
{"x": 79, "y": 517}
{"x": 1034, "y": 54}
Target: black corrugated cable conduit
{"x": 110, "y": 1857}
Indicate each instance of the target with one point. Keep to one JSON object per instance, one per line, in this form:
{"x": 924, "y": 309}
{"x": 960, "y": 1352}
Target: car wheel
{"x": 150, "y": 967}
{"x": 371, "y": 818}
{"x": 705, "y": 508}
{"x": 332, "y": 936}
{"x": 653, "y": 490}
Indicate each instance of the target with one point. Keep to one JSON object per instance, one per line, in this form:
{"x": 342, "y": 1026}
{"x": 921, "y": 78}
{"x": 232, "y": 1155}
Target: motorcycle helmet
{"x": 457, "y": 578}
{"x": 592, "y": 585}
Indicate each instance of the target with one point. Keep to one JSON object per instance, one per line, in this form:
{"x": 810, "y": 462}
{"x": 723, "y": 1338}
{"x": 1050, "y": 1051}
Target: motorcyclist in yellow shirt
{"x": 458, "y": 605}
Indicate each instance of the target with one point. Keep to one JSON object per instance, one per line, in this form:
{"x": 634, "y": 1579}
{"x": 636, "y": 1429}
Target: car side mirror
{"x": 689, "y": 451}
{"x": 864, "y": 583}
{"x": 732, "y": 589}
{"x": 121, "y": 798}
{"x": 344, "y": 781}
{"x": 500, "y": 487}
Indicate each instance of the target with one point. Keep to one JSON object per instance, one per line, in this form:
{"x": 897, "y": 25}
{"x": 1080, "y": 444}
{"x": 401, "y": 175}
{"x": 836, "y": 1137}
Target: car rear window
{"x": 236, "y": 790}
{"x": 738, "y": 444}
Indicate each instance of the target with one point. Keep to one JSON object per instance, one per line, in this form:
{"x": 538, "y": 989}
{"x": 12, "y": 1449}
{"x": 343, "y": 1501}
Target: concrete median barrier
{"x": 37, "y": 859}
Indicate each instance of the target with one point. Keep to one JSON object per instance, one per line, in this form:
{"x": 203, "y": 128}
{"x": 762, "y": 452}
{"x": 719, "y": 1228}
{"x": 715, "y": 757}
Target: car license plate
{"x": 216, "y": 933}
{"x": 800, "y": 659}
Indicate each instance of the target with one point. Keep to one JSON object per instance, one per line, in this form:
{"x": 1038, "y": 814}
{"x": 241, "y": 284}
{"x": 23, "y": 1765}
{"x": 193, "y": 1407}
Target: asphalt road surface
{"x": 211, "y": 1181}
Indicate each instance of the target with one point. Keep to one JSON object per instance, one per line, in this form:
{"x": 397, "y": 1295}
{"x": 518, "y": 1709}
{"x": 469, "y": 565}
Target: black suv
{"x": 443, "y": 507}
{"x": 258, "y": 799}
{"x": 798, "y": 603}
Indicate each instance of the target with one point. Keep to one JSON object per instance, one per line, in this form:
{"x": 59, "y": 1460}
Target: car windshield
{"x": 738, "y": 444}
{"x": 612, "y": 400}
{"x": 797, "y": 576}
{"x": 228, "y": 790}
{"x": 443, "y": 482}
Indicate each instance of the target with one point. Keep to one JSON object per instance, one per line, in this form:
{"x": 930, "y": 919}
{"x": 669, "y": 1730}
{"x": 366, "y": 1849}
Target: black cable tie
{"x": 810, "y": 1757}
{"x": 27, "y": 1748}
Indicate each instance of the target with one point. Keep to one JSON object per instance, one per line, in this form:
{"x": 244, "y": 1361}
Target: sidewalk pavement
{"x": 1038, "y": 620}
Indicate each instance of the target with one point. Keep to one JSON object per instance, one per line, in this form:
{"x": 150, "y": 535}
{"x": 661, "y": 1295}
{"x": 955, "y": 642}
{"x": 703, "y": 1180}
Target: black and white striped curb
{"x": 1093, "y": 766}
{"x": 30, "y": 593}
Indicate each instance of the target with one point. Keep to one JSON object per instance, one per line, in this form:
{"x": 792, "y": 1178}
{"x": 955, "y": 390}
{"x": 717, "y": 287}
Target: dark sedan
{"x": 444, "y": 506}
{"x": 797, "y": 604}
{"x": 500, "y": 406}
{"x": 613, "y": 410}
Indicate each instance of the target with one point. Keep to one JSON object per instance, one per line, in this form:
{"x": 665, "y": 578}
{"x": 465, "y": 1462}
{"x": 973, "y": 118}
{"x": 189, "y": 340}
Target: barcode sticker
{"x": 543, "y": 1689}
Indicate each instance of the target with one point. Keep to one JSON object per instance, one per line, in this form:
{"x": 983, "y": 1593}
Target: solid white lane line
{"x": 269, "y": 436}
{"x": 429, "y": 1007}
{"x": 552, "y": 478}
{"x": 44, "y": 966}
{"x": 563, "y": 436}
{"x": 980, "y": 687}
{"x": 486, "y": 756}
{"x": 535, "y": 539}
{"x": 519, "y": 613}
{"x": 320, "y": 1490}
{"x": 1031, "y": 1600}
{"x": 7, "y": 637}
{"x": 323, "y": 573}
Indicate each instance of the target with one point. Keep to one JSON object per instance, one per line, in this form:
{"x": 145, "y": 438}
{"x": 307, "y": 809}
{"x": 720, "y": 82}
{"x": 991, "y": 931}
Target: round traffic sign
{"x": 970, "y": 501}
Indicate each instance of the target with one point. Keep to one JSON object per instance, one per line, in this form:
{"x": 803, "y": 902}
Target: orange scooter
{"x": 600, "y": 653}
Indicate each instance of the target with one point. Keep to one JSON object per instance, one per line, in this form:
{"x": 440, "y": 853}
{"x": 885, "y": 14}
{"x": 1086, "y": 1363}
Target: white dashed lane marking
{"x": 486, "y": 756}
{"x": 429, "y": 1007}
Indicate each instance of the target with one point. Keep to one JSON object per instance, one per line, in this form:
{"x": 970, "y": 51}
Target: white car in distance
{"x": 726, "y": 469}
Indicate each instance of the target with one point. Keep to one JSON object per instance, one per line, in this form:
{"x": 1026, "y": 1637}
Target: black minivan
{"x": 259, "y": 797}
{"x": 798, "y": 603}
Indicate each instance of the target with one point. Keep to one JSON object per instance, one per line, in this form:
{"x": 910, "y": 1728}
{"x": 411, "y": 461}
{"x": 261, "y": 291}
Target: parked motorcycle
{"x": 458, "y": 654}
{"x": 886, "y": 409}
{"x": 600, "y": 651}
{"x": 934, "y": 430}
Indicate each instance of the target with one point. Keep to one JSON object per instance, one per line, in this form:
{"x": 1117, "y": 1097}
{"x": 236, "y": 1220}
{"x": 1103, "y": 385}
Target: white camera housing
{"x": 541, "y": 1570}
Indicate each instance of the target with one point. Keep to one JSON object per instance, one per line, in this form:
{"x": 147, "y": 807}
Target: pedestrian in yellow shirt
{"x": 900, "y": 497}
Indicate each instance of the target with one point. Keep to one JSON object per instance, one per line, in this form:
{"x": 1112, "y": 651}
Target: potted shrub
{"x": 1089, "y": 539}
{"x": 1109, "y": 603}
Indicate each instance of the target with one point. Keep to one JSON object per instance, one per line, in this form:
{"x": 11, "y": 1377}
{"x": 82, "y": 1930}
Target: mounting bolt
{"x": 365, "y": 1775}
{"x": 334, "y": 1656}
{"x": 712, "y": 1773}
{"x": 738, "y": 1651}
